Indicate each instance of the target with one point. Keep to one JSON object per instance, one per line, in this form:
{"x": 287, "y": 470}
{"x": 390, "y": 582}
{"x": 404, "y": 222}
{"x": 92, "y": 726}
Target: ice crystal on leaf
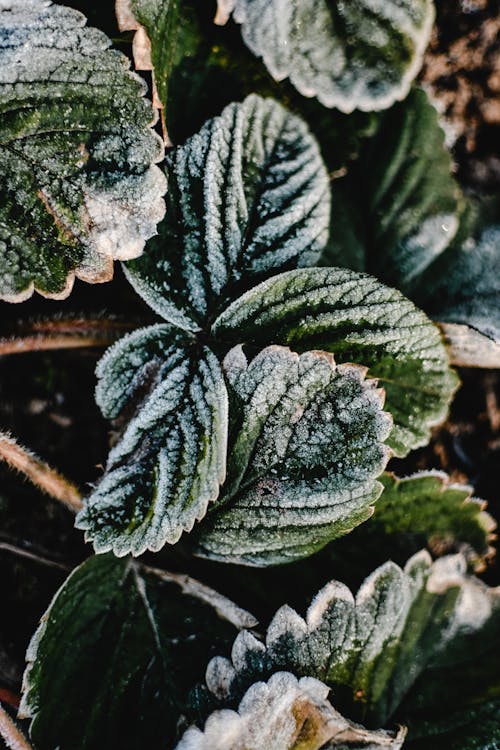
{"x": 306, "y": 451}
{"x": 361, "y": 54}
{"x": 77, "y": 153}
{"x": 375, "y": 645}
{"x": 248, "y": 196}
{"x": 359, "y": 320}
{"x": 286, "y": 714}
{"x": 169, "y": 463}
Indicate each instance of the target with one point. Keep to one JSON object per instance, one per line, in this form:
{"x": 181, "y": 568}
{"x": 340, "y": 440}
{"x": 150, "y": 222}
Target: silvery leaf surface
{"x": 77, "y": 153}
{"x": 306, "y": 448}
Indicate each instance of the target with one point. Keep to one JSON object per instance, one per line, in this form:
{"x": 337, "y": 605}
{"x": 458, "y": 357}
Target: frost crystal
{"x": 377, "y": 644}
{"x": 77, "y": 153}
{"x": 360, "y": 320}
{"x": 168, "y": 465}
{"x": 361, "y": 54}
{"x": 248, "y": 195}
{"x": 302, "y": 467}
{"x": 286, "y": 714}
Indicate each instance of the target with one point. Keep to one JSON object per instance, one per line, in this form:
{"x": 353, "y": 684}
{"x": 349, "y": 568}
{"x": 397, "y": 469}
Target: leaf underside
{"x": 306, "y": 449}
{"x": 170, "y": 461}
{"x": 371, "y": 649}
{"x": 77, "y": 153}
{"x": 357, "y": 55}
{"x": 248, "y": 196}
{"x": 115, "y": 655}
{"x": 359, "y": 320}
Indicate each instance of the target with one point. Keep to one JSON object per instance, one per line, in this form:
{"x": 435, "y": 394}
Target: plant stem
{"x": 64, "y": 333}
{"x": 11, "y": 735}
{"x": 20, "y": 552}
{"x": 39, "y": 473}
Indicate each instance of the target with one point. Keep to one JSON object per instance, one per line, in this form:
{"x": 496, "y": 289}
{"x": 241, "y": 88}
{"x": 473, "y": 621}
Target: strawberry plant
{"x": 301, "y": 275}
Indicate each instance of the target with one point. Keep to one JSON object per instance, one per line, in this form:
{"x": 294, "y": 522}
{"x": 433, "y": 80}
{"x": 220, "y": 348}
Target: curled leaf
{"x": 308, "y": 444}
{"x": 80, "y": 188}
{"x": 357, "y": 55}
{"x": 248, "y": 196}
{"x": 359, "y": 320}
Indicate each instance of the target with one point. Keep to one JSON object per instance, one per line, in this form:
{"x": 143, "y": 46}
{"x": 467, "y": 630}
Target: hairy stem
{"x": 39, "y": 473}
{"x": 11, "y": 735}
{"x": 64, "y": 333}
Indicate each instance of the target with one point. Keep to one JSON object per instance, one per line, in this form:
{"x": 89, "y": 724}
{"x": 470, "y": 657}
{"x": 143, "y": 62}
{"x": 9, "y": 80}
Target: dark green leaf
{"x": 116, "y": 654}
{"x": 356, "y": 55}
{"x": 76, "y": 153}
{"x": 248, "y": 196}
{"x": 359, "y": 320}
{"x": 305, "y": 455}
{"x": 169, "y": 463}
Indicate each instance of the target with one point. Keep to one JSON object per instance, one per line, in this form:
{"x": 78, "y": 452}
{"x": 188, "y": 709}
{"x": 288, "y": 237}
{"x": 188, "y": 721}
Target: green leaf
{"x": 357, "y": 55}
{"x": 428, "y": 504}
{"x": 248, "y": 196}
{"x": 286, "y": 714}
{"x": 307, "y": 447}
{"x": 370, "y": 649}
{"x": 157, "y": 26}
{"x": 116, "y": 653}
{"x": 359, "y": 320}
{"x": 411, "y": 226}
{"x": 170, "y": 461}
{"x": 77, "y": 153}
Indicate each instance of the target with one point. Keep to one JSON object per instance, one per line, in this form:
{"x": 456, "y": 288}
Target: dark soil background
{"x": 46, "y": 399}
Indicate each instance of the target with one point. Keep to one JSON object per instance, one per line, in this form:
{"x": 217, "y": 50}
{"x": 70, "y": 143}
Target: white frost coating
{"x": 171, "y": 460}
{"x": 282, "y": 714}
{"x": 304, "y": 463}
{"x": 341, "y": 309}
{"x": 80, "y": 176}
{"x": 361, "y": 55}
{"x": 249, "y": 195}
{"x": 379, "y": 642}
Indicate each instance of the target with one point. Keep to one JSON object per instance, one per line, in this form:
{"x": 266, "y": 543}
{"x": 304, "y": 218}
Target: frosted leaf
{"x": 77, "y": 153}
{"x": 412, "y": 227}
{"x": 248, "y": 196}
{"x": 170, "y": 461}
{"x": 117, "y": 653}
{"x": 363, "y": 54}
{"x": 286, "y": 714}
{"x": 429, "y": 503}
{"x": 401, "y": 623}
{"x": 308, "y": 444}
{"x": 405, "y": 202}
{"x": 359, "y": 320}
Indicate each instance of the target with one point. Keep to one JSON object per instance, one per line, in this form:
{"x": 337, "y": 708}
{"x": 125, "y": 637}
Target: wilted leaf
{"x": 169, "y": 463}
{"x": 116, "y": 654}
{"x": 357, "y": 55}
{"x": 307, "y": 447}
{"x": 411, "y": 226}
{"x": 286, "y": 714}
{"x": 76, "y": 152}
{"x": 359, "y": 320}
{"x": 248, "y": 196}
{"x": 370, "y": 649}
